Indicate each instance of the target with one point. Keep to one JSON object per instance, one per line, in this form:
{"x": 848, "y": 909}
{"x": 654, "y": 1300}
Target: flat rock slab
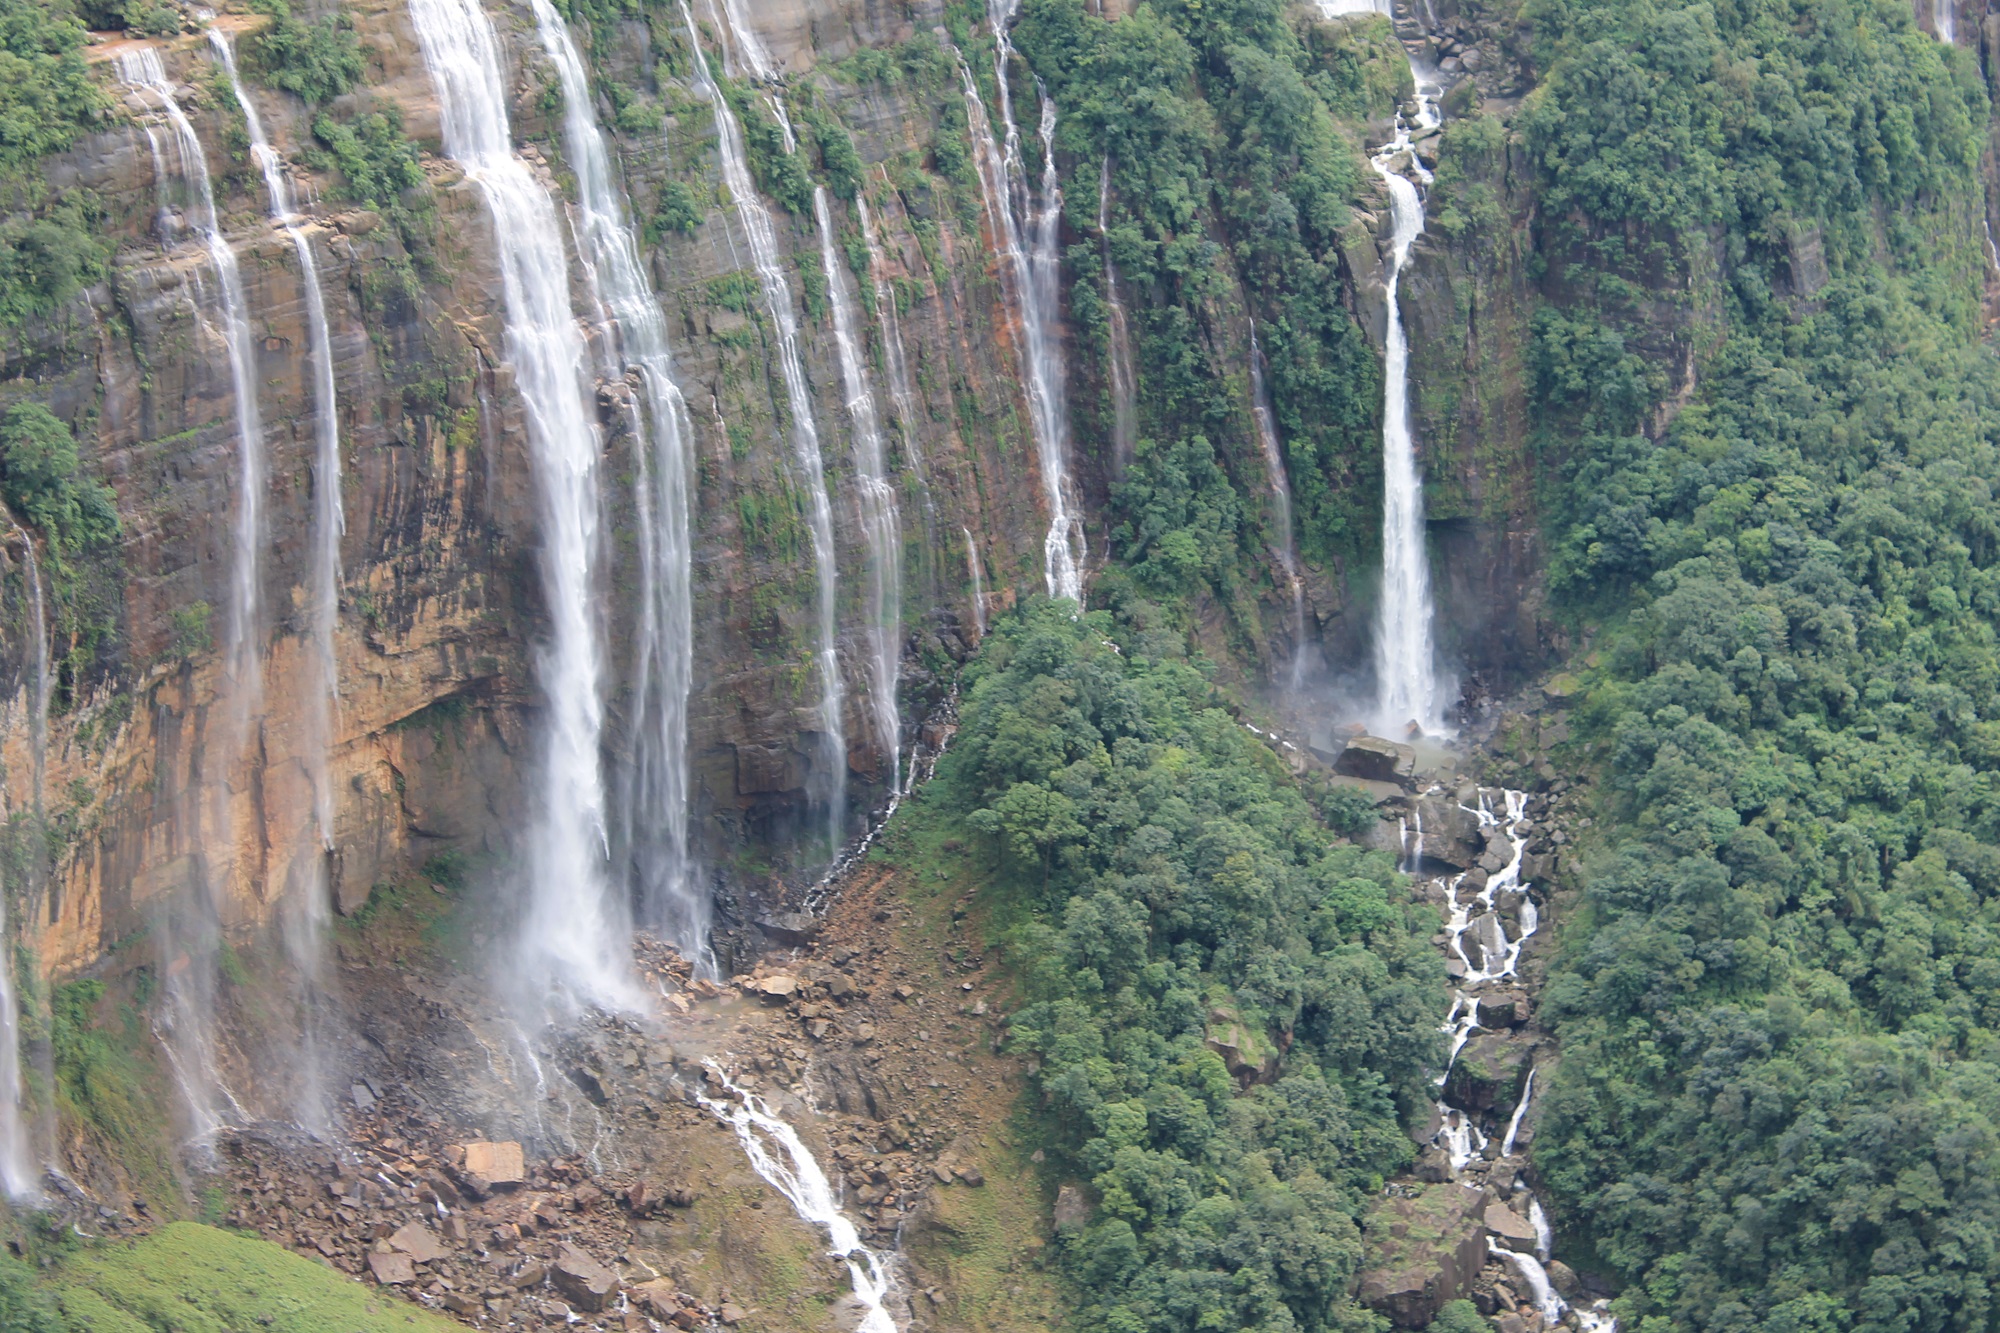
{"x": 415, "y": 1240}
{"x": 1423, "y": 1250}
{"x": 392, "y": 1270}
{"x": 1509, "y": 1229}
{"x": 494, "y": 1163}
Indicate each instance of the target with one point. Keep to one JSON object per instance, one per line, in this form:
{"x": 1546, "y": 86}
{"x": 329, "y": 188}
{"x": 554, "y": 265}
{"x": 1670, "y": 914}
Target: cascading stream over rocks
{"x": 573, "y": 934}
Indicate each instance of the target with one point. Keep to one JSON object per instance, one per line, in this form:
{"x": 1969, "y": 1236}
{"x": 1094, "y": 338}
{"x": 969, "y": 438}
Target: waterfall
{"x": 140, "y": 68}
{"x": 875, "y": 496}
{"x": 1514, "y": 1121}
{"x": 1944, "y": 17}
{"x": 900, "y": 390}
{"x": 1283, "y": 546}
{"x": 1405, "y": 679}
{"x": 329, "y": 521}
{"x": 978, "y": 591}
{"x": 189, "y": 947}
{"x": 18, "y": 1174}
{"x": 793, "y": 1171}
{"x": 829, "y": 774}
{"x": 309, "y": 894}
{"x": 573, "y": 932}
{"x": 653, "y": 807}
{"x": 1034, "y": 276}
{"x": 1124, "y": 411}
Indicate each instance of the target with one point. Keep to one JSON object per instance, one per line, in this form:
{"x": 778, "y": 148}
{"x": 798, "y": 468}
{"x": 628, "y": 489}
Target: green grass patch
{"x": 196, "y": 1279}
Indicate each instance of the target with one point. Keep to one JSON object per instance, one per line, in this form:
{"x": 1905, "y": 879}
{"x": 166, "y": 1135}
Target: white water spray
{"x": 875, "y": 497}
{"x": 573, "y": 934}
{"x": 978, "y": 585}
{"x": 1012, "y": 211}
{"x": 829, "y": 774}
{"x": 788, "y": 1166}
{"x": 18, "y": 1175}
{"x": 633, "y": 349}
{"x": 1944, "y": 18}
{"x": 1405, "y": 673}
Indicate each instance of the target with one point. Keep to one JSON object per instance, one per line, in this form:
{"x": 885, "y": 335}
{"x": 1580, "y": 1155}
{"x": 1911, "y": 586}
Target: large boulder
{"x": 1425, "y": 1248}
{"x": 1489, "y": 1072}
{"x": 1377, "y": 760}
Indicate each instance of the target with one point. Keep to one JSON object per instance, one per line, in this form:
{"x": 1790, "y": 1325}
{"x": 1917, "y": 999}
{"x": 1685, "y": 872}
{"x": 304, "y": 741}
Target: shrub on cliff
{"x": 315, "y": 61}
{"x": 45, "y": 484}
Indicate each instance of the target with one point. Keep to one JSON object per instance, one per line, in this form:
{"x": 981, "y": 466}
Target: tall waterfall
{"x": 18, "y": 1174}
{"x": 309, "y": 891}
{"x": 1035, "y": 293}
{"x": 829, "y": 775}
{"x": 653, "y": 804}
{"x": 1283, "y": 545}
{"x": 1944, "y": 17}
{"x": 1124, "y": 384}
{"x": 875, "y": 496}
{"x": 572, "y": 936}
{"x": 189, "y": 944}
{"x": 1406, "y": 687}
{"x": 140, "y": 68}
{"x": 978, "y": 584}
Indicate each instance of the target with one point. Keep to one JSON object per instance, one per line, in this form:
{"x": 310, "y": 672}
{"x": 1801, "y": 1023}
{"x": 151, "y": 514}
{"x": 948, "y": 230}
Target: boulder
{"x": 1377, "y": 760}
{"x": 1508, "y": 1229}
{"x": 779, "y": 987}
{"x": 1072, "y": 1208}
{"x": 1425, "y": 1248}
{"x": 588, "y": 1284}
{"x": 1488, "y": 1073}
{"x": 789, "y": 928}
{"x": 484, "y": 1167}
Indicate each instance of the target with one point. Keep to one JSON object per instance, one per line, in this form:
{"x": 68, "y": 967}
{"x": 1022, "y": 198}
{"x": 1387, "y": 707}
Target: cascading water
{"x": 778, "y": 1155}
{"x": 1124, "y": 409}
{"x": 875, "y": 496}
{"x": 1405, "y": 673}
{"x": 829, "y": 775}
{"x": 653, "y": 805}
{"x": 1944, "y": 18}
{"x": 308, "y": 892}
{"x": 189, "y": 944}
{"x": 1459, "y": 1136}
{"x": 1283, "y": 545}
{"x": 1035, "y": 293}
{"x": 572, "y": 935}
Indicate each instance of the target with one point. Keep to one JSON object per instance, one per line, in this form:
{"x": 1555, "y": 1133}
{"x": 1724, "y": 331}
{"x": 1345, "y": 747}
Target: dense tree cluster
{"x": 1180, "y": 899}
{"x": 1781, "y": 1014}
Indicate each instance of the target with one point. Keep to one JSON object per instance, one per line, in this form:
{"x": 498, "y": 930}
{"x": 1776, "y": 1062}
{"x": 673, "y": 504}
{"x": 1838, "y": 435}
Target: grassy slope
{"x": 196, "y": 1279}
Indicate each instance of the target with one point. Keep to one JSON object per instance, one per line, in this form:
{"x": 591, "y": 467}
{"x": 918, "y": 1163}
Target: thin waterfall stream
{"x": 308, "y": 893}
{"x": 875, "y": 496}
{"x": 1124, "y": 383}
{"x": 1026, "y": 229}
{"x": 189, "y": 945}
{"x": 573, "y": 935}
{"x": 1283, "y": 544}
{"x": 829, "y": 774}
{"x": 634, "y": 350}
